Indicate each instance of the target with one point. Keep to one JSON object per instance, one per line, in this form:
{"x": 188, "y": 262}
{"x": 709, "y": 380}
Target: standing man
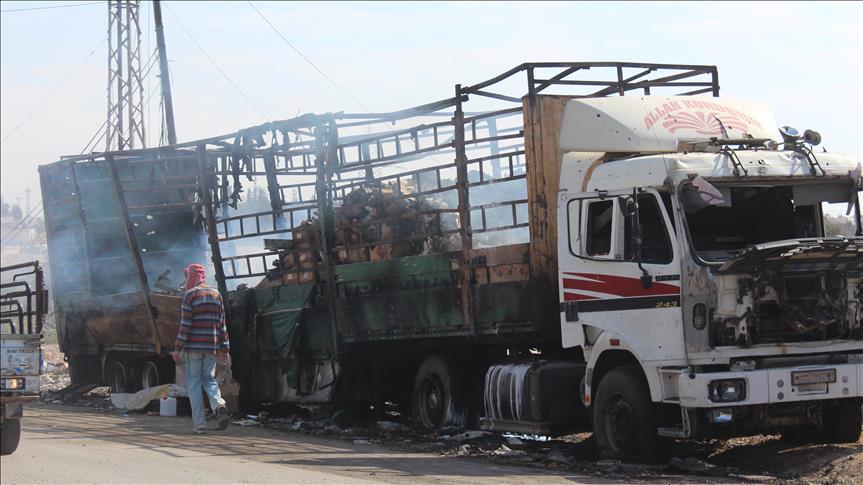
{"x": 202, "y": 337}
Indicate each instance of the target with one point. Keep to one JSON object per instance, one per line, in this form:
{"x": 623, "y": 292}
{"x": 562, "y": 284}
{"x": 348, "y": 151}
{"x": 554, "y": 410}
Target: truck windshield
{"x": 752, "y": 215}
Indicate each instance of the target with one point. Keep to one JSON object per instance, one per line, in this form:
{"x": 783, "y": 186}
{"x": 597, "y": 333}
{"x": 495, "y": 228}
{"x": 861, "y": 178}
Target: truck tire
{"x": 151, "y": 374}
{"x": 10, "y": 436}
{"x": 624, "y": 424}
{"x": 120, "y": 377}
{"x": 438, "y": 397}
{"x": 842, "y": 421}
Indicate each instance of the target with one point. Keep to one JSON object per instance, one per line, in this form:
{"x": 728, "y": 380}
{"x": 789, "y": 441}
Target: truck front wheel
{"x": 438, "y": 397}
{"x": 842, "y": 421}
{"x": 10, "y": 435}
{"x": 623, "y": 421}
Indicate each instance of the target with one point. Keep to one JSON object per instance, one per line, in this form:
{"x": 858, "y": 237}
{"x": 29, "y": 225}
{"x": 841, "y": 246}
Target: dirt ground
{"x": 762, "y": 458}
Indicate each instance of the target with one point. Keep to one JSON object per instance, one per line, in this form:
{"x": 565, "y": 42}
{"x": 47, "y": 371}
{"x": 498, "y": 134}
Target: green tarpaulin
{"x": 283, "y": 309}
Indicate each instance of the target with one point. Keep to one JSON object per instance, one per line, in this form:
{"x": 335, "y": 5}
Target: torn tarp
{"x": 283, "y": 308}
{"x": 140, "y": 399}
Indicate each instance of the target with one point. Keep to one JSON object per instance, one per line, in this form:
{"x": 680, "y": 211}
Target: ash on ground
{"x": 761, "y": 458}
{"x": 55, "y": 378}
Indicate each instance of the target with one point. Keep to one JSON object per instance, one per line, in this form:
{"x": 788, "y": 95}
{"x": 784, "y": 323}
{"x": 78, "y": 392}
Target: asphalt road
{"x": 64, "y": 444}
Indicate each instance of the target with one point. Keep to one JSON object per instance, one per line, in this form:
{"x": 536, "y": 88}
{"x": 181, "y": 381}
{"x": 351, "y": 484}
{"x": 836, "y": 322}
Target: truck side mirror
{"x": 631, "y": 210}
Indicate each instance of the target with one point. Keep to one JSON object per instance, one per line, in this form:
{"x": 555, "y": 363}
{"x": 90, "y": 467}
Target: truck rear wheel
{"x": 438, "y": 397}
{"x": 151, "y": 374}
{"x": 10, "y": 436}
{"x": 842, "y": 421}
{"x": 119, "y": 377}
{"x": 623, "y": 421}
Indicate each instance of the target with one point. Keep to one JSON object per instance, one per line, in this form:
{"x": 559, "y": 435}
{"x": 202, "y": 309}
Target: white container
{"x": 168, "y": 406}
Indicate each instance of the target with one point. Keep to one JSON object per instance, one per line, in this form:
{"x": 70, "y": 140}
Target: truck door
{"x": 609, "y": 280}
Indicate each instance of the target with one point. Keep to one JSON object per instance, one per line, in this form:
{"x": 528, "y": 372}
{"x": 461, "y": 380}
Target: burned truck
{"x": 594, "y": 251}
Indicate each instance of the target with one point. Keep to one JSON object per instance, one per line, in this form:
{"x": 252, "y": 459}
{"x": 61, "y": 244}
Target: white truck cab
{"x": 23, "y": 305}
{"x": 691, "y": 248}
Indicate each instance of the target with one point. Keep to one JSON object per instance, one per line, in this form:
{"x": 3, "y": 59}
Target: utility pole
{"x": 125, "y": 85}
{"x": 164, "y": 75}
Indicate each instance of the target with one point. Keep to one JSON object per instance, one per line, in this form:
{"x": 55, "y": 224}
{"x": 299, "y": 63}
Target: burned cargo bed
{"x": 396, "y": 309}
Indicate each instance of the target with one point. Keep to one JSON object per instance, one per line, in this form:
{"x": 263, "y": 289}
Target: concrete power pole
{"x": 164, "y": 75}
{"x": 125, "y": 84}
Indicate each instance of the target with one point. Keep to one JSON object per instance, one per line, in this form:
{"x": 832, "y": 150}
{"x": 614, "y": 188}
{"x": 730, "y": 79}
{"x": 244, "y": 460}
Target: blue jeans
{"x": 201, "y": 375}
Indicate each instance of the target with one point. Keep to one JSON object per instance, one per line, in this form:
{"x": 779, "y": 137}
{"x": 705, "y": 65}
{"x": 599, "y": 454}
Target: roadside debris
{"x": 246, "y": 422}
{"x": 694, "y": 465}
{"x": 141, "y": 399}
{"x": 761, "y": 458}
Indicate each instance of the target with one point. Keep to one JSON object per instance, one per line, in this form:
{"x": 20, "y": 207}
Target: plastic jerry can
{"x": 168, "y": 406}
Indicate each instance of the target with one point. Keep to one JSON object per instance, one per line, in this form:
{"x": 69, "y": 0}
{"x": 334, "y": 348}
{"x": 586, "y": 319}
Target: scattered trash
{"x": 513, "y": 441}
{"x": 246, "y": 422}
{"x": 694, "y": 465}
{"x": 507, "y": 451}
{"x": 142, "y": 398}
{"x": 557, "y": 456}
{"x": 391, "y": 426}
{"x": 463, "y": 450}
{"x": 341, "y": 418}
{"x": 471, "y": 435}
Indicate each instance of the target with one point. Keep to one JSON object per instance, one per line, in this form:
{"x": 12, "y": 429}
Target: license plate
{"x": 813, "y": 377}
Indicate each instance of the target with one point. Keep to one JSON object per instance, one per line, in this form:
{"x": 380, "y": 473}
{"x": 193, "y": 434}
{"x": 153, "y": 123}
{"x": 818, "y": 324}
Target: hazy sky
{"x": 804, "y": 59}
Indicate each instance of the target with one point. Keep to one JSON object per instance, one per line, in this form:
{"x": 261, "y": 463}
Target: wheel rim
{"x": 620, "y": 424}
{"x": 118, "y": 378}
{"x": 150, "y": 375}
{"x": 430, "y": 402}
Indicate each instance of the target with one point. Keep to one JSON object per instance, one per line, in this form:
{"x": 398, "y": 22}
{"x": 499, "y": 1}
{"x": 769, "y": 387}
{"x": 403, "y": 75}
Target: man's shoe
{"x": 223, "y": 417}
{"x": 200, "y": 430}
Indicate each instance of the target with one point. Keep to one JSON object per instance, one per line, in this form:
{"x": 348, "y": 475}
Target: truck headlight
{"x": 12, "y": 384}
{"x": 727, "y": 390}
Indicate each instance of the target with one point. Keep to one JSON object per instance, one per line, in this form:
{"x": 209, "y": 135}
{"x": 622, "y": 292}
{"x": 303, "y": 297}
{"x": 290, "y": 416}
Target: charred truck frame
{"x": 534, "y": 263}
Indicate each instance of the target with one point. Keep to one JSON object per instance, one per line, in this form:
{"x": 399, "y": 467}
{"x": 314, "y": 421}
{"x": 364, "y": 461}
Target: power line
{"x": 322, "y": 73}
{"x": 49, "y": 8}
{"x": 37, "y": 108}
{"x": 22, "y": 224}
{"x": 224, "y": 74}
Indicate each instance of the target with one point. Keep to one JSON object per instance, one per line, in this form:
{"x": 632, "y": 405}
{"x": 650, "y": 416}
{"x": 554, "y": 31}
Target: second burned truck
{"x": 649, "y": 265}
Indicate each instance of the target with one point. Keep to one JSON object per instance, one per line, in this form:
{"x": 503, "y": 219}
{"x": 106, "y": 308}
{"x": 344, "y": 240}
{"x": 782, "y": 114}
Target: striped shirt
{"x": 202, "y": 322}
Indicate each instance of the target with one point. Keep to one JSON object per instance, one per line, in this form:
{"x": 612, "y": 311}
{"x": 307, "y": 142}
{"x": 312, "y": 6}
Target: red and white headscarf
{"x": 195, "y": 275}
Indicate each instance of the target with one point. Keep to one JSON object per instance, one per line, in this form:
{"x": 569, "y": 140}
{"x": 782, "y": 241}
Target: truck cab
{"x": 696, "y": 276}
{"x": 23, "y": 302}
